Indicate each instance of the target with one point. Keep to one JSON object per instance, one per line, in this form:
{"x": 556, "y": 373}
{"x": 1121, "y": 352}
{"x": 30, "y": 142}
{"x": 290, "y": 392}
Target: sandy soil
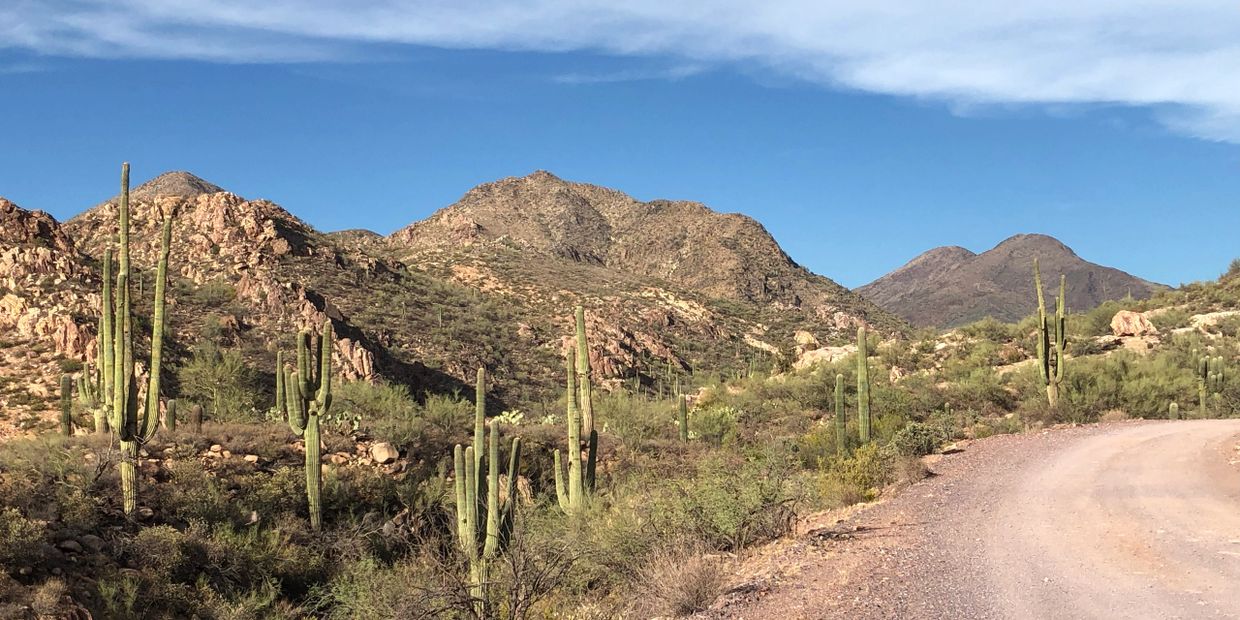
{"x": 1127, "y": 520}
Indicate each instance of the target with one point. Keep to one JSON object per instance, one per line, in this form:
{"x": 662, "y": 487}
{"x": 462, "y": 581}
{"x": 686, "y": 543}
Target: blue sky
{"x": 859, "y": 137}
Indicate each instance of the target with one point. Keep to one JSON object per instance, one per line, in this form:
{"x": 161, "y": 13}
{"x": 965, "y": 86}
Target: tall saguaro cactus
{"x": 682, "y": 418}
{"x": 1052, "y": 338}
{"x": 863, "y": 385}
{"x": 133, "y": 423}
{"x": 585, "y": 398}
{"x": 307, "y": 397}
{"x": 66, "y": 405}
{"x": 484, "y": 518}
{"x": 841, "y": 423}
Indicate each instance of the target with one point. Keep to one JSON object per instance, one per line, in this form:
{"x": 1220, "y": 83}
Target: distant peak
{"x": 1033, "y": 243}
{"x": 176, "y": 183}
{"x": 542, "y": 175}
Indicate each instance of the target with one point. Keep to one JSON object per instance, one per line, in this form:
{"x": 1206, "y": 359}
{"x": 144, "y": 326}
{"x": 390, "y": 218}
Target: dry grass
{"x": 679, "y": 580}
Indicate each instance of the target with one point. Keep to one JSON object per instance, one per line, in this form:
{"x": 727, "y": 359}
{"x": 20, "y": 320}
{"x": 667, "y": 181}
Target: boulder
{"x": 805, "y": 339}
{"x": 1129, "y": 323}
{"x": 384, "y": 453}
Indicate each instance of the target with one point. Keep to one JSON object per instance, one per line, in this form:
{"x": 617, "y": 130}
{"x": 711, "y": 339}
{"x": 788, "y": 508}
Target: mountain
{"x": 951, "y": 286}
{"x": 670, "y": 288}
{"x": 686, "y": 244}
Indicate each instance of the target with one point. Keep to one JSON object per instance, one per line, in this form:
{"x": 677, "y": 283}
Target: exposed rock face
{"x": 951, "y": 286}
{"x": 1129, "y": 323}
{"x": 43, "y": 307}
{"x": 728, "y": 256}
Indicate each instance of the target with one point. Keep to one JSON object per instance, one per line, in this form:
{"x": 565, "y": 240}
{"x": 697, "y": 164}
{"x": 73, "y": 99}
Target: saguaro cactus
{"x": 1210, "y": 380}
{"x": 66, "y": 405}
{"x": 841, "y": 423}
{"x": 170, "y": 415}
{"x": 682, "y": 418}
{"x": 1052, "y": 338}
{"x": 585, "y": 398}
{"x": 308, "y": 396}
{"x": 863, "y": 385}
{"x": 481, "y": 541}
{"x": 195, "y": 418}
{"x": 1173, "y": 411}
{"x": 134, "y": 424}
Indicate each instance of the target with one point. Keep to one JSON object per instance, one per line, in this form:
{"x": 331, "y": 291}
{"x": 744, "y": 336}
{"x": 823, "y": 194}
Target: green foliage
{"x": 220, "y": 378}
{"x": 20, "y": 539}
{"x": 917, "y": 439}
{"x": 716, "y": 425}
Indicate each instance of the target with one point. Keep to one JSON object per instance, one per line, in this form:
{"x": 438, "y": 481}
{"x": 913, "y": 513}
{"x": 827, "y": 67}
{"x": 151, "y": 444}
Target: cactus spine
{"x": 1173, "y": 411}
{"x": 863, "y": 386}
{"x": 1052, "y": 339}
{"x": 682, "y": 418}
{"x": 134, "y": 424}
{"x": 493, "y": 533}
{"x": 308, "y": 396}
{"x": 841, "y": 424}
{"x": 66, "y": 405}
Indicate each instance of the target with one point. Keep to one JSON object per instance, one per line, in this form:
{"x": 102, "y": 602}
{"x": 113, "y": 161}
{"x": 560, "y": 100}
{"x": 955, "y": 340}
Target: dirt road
{"x": 1130, "y": 520}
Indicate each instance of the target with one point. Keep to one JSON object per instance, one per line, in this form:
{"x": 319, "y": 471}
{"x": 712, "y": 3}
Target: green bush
{"x": 916, "y": 439}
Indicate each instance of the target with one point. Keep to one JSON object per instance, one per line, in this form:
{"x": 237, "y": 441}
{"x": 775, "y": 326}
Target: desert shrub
{"x": 376, "y": 406}
{"x": 634, "y": 419}
{"x": 818, "y": 445}
{"x": 215, "y": 293}
{"x": 715, "y": 425}
{"x": 916, "y": 439}
{"x": 20, "y": 539}
{"x": 220, "y": 379}
{"x": 849, "y": 480}
{"x": 729, "y": 505}
{"x": 1171, "y": 318}
{"x": 678, "y": 580}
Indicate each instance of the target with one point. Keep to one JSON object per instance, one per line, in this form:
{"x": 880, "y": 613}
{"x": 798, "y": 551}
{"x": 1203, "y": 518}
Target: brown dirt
{"x": 1127, "y": 520}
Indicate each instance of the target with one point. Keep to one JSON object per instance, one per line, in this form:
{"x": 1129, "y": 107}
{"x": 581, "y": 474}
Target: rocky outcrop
{"x": 1129, "y": 323}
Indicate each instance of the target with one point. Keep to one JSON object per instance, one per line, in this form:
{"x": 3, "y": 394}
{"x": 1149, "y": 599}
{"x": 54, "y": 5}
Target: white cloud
{"x": 1177, "y": 55}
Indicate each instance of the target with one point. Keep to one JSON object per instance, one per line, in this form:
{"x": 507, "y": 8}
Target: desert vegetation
{"x": 289, "y": 492}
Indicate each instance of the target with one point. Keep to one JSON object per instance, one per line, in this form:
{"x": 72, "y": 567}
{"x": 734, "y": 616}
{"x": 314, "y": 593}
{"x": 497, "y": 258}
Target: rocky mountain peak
{"x": 175, "y": 183}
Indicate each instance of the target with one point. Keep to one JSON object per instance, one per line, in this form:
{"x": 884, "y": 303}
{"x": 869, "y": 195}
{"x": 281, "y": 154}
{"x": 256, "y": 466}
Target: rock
{"x": 217, "y": 448}
{"x": 25, "y": 571}
{"x": 251, "y": 458}
{"x": 384, "y": 453}
{"x": 1129, "y": 323}
{"x": 824, "y": 355}
{"x": 71, "y": 546}
{"x": 226, "y": 454}
{"x": 805, "y": 339}
{"x": 92, "y": 542}
{"x": 338, "y": 458}
{"x": 145, "y": 514}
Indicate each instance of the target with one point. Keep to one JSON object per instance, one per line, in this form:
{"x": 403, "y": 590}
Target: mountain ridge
{"x": 949, "y": 286}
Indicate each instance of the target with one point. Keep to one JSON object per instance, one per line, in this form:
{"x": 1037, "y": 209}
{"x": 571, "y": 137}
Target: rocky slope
{"x": 670, "y": 287}
{"x": 717, "y": 255}
{"x": 46, "y": 297}
{"x": 951, "y": 286}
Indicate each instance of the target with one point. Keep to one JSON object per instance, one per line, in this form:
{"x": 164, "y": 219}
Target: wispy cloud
{"x": 1177, "y": 56}
{"x": 678, "y": 72}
